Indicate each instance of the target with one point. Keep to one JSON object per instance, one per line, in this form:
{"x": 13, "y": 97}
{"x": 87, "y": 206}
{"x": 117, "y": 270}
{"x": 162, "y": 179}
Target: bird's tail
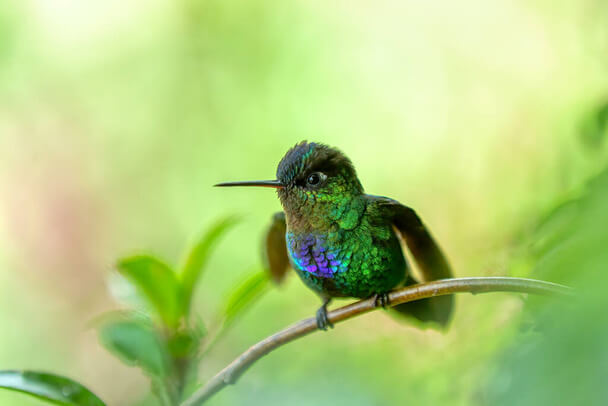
{"x": 435, "y": 311}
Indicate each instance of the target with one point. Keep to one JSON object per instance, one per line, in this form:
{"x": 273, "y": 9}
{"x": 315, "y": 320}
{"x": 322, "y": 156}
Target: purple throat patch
{"x": 310, "y": 254}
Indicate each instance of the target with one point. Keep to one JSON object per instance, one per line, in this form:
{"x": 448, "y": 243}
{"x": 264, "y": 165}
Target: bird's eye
{"x": 315, "y": 178}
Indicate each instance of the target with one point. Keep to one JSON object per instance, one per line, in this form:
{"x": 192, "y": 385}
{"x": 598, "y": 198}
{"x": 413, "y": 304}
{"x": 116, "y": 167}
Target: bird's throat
{"x": 325, "y": 217}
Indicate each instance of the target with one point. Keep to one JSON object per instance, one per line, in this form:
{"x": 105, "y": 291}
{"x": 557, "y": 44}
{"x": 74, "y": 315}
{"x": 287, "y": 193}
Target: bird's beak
{"x": 262, "y": 183}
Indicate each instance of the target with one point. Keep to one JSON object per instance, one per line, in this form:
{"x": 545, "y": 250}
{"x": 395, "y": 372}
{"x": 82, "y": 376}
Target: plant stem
{"x": 236, "y": 368}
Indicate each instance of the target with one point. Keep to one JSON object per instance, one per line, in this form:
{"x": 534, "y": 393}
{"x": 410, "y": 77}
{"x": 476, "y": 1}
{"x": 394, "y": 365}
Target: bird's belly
{"x": 347, "y": 267}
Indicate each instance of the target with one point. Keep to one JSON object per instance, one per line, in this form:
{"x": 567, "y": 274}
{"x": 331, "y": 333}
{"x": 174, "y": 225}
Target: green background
{"x": 116, "y": 117}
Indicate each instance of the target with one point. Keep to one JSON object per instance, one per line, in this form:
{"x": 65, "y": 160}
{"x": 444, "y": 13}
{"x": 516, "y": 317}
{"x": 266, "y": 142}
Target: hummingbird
{"x": 344, "y": 243}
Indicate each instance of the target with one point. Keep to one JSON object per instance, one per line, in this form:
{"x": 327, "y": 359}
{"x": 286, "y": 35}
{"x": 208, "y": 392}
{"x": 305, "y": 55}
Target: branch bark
{"x": 236, "y": 368}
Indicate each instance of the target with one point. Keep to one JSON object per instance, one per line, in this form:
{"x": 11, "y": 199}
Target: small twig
{"x": 236, "y": 368}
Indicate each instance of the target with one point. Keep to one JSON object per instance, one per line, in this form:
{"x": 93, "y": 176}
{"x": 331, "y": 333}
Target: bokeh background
{"x": 116, "y": 117}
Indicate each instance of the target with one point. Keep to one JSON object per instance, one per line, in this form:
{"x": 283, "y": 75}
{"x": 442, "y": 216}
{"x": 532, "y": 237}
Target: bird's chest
{"x": 346, "y": 262}
{"x": 320, "y": 255}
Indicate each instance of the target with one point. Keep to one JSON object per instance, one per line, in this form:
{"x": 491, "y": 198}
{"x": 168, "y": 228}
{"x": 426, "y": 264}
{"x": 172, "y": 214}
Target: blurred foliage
{"x": 560, "y": 357}
{"x": 136, "y": 343}
{"x": 51, "y": 388}
{"x": 196, "y": 259}
{"x": 165, "y": 342}
{"x": 117, "y": 117}
{"x": 595, "y": 127}
{"x": 250, "y": 289}
{"x": 563, "y": 360}
{"x": 158, "y": 283}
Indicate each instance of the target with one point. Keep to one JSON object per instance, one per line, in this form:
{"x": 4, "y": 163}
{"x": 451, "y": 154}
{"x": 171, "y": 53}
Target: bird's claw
{"x": 381, "y": 300}
{"x": 322, "y": 319}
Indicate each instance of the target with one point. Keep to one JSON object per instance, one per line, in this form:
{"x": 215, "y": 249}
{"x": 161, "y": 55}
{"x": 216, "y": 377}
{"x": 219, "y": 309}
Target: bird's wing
{"x": 431, "y": 262}
{"x": 420, "y": 242}
{"x": 275, "y": 256}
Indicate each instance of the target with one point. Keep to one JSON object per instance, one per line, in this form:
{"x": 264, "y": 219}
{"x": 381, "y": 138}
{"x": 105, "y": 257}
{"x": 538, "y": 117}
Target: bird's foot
{"x": 322, "y": 319}
{"x": 381, "y": 299}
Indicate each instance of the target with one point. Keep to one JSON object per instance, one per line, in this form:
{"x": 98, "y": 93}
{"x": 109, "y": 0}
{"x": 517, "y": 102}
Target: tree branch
{"x": 236, "y": 368}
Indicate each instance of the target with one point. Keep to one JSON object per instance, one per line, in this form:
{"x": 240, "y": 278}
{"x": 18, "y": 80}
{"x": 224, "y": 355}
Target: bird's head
{"x": 317, "y": 186}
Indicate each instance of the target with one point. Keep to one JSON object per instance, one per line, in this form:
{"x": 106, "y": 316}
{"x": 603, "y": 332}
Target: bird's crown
{"x": 306, "y": 158}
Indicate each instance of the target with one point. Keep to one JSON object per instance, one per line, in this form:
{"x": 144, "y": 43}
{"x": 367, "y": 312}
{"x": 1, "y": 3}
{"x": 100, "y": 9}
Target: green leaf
{"x": 564, "y": 361}
{"x": 245, "y": 294}
{"x": 51, "y": 388}
{"x": 136, "y": 343}
{"x": 594, "y": 127}
{"x": 242, "y": 297}
{"x": 196, "y": 258}
{"x": 157, "y": 282}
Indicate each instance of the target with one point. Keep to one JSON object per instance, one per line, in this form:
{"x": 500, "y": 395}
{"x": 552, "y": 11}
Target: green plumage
{"x": 343, "y": 242}
{"x": 368, "y": 251}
